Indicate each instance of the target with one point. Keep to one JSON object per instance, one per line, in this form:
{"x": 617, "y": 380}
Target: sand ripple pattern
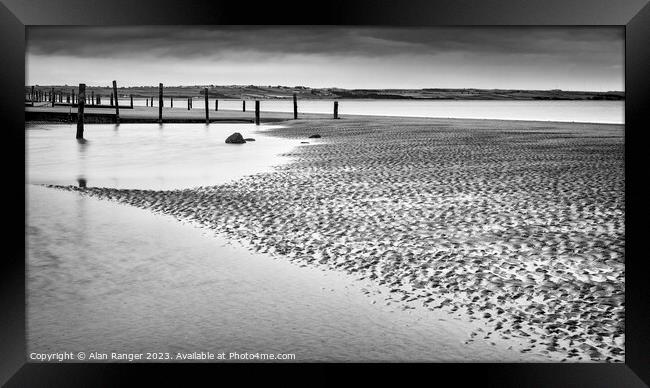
{"x": 517, "y": 225}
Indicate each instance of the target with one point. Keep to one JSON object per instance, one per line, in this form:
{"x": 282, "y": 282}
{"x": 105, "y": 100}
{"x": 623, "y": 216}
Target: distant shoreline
{"x": 304, "y": 93}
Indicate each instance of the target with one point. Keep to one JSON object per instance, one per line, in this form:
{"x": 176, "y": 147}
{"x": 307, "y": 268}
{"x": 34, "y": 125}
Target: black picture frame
{"x": 633, "y": 14}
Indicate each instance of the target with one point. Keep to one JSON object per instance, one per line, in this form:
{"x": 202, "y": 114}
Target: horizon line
{"x": 335, "y": 87}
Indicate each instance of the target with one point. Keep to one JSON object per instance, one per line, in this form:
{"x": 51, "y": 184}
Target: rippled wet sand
{"x": 517, "y": 225}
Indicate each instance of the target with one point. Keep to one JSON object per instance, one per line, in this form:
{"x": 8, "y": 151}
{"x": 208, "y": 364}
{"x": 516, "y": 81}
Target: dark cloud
{"x": 573, "y": 58}
{"x": 209, "y": 41}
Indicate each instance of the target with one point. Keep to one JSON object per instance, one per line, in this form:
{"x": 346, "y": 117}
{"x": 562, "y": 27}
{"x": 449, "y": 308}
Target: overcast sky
{"x": 568, "y": 58}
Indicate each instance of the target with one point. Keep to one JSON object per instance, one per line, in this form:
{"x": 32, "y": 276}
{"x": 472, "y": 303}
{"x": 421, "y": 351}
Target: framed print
{"x": 447, "y": 184}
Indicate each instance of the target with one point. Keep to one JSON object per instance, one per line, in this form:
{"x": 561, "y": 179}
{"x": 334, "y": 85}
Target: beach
{"x": 515, "y": 228}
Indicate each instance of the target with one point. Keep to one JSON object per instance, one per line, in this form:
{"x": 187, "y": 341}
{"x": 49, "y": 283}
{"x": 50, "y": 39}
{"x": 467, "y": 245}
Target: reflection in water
{"x": 149, "y": 156}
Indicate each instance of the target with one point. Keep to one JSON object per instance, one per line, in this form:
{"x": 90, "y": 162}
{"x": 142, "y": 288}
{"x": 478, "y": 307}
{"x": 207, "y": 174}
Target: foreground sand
{"x": 517, "y": 225}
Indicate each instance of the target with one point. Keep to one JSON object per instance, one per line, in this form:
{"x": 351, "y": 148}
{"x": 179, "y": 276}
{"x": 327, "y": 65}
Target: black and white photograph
{"x": 309, "y": 193}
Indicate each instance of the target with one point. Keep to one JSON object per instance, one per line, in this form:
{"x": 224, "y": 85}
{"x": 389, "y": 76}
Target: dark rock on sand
{"x": 235, "y": 138}
{"x": 316, "y": 136}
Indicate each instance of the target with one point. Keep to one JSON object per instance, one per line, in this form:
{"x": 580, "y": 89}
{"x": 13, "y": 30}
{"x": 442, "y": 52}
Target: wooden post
{"x": 257, "y": 112}
{"x": 207, "y": 108}
{"x": 189, "y": 105}
{"x": 92, "y": 97}
{"x": 80, "y": 111}
{"x": 131, "y": 97}
{"x": 171, "y": 102}
{"x": 147, "y": 101}
{"x": 73, "y": 97}
{"x": 99, "y": 99}
{"x": 216, "y": 105}
{"x": 32, "y": 95}
{"x": 295, "y": 106}
{"x": 111, "y": 99}
{"x": 117, "y": 104}
{"x": 336, "y": 109}
{"x": 160, "y": 102}
{"x": 52, "y": 97}
{"x": 243, "y": 105}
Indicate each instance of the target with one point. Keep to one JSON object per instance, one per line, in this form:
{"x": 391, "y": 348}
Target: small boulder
{"x": 316, "y": 136}
{"x": 235, "y": 138}
{"x": 249, "y": 139}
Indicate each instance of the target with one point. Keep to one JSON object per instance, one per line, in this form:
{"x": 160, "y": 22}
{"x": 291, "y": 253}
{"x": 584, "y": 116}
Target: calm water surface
{"x": 149, "y": 156}
{"x": 610, "y": 112}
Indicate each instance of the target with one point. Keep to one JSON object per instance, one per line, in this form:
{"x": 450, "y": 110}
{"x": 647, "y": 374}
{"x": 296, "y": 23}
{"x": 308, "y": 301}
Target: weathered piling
{"x": 131, "y": 98}
{"x": 52, "y": 98}
{"x": 216, "y": 105}
{"x": 32, "y": 95}
{"x": 67, "y": 99}
{"x": 117, "y": 103}
{"x": 160, "y": 102}
{"x": 336, "y": 109}
{"x": 257, "y": 112}
{"x": 73, "y": 97}
{"x": 99, "y": 100}
{"x": 171, "y": 102}
{"x": 92, "y": 97}
{"x": 111, "y": 99}
{"x": 295, "y": 106}
{"x": 147, "y": 101}
{"x": 80, "y": 111}
{"x": 243, "y": 106}
{"x": 207, "y": 109}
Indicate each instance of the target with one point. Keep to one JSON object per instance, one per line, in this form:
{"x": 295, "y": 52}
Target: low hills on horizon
{"x": 250, "y": 92}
